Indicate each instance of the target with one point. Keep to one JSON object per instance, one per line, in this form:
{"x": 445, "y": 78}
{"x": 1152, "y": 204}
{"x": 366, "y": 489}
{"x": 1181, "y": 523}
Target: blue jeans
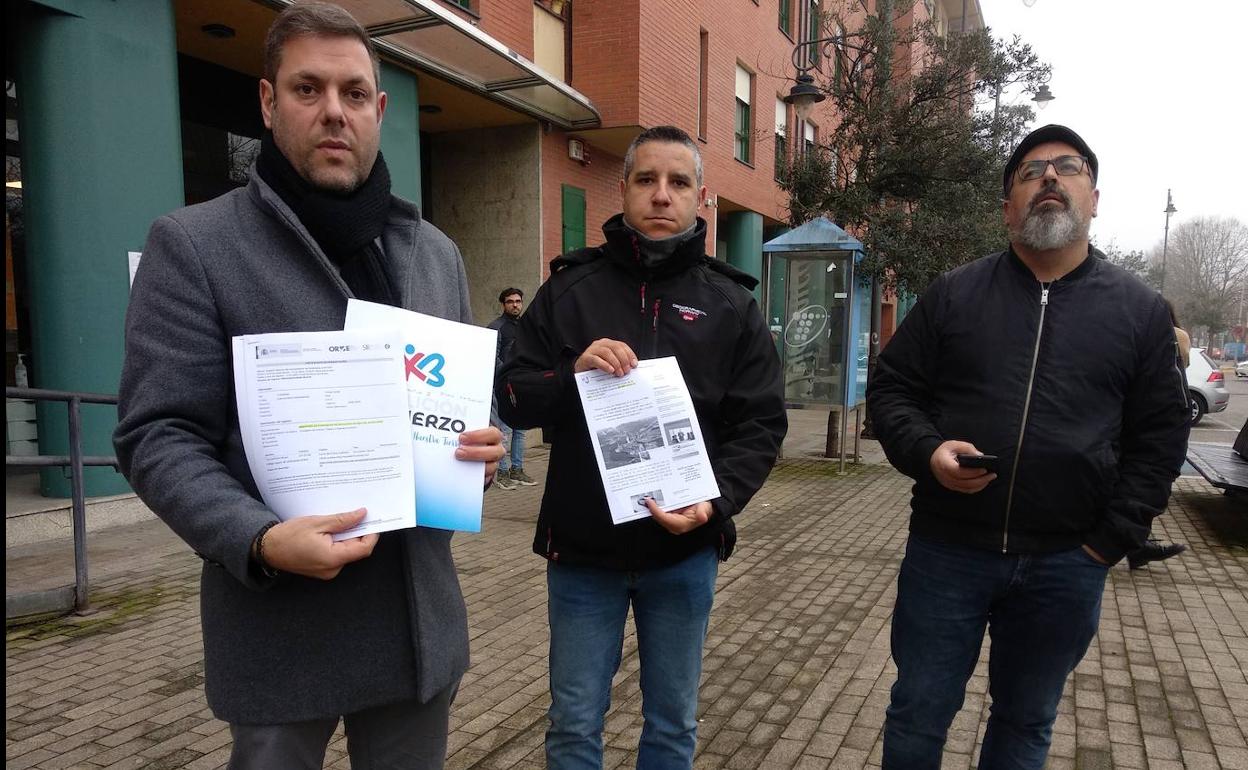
{"x": 513, "y": 442}
{"x": 1041, "y": 612}
{"x": 588, "y": 607}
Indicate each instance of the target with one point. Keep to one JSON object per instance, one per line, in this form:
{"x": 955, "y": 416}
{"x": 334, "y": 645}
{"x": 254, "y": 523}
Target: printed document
{"x": 647, "y": 439}
{"x": 448, "y": 368}
{"x": 324, "y": 423}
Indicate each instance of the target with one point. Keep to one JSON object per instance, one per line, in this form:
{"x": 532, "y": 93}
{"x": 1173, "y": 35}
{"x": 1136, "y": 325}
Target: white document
{"x": 449, "y": 371}
{"x": 132, "y": 259}
{"x": 647, "y": 439}
{"x": 324, "y": 423}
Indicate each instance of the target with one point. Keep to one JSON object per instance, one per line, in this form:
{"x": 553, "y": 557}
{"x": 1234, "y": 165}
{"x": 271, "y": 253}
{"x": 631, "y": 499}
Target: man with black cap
{"x": 1034, "y": 397}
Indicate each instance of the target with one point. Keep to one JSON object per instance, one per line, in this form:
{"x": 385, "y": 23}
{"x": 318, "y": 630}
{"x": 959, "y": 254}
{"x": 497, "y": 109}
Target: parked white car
{"x": 1205, "y": 385}
{"x": 1242, "y": 369}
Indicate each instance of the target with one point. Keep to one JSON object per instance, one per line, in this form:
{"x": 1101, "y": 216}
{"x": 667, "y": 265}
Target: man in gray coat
{"x": 298, "y": 630}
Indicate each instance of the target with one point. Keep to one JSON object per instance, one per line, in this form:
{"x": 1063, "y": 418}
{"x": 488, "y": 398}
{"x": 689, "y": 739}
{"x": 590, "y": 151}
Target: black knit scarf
{"x": 345, "y": 225}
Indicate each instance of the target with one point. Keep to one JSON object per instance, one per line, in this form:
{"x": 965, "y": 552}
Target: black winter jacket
{"x": 506, "y": 326}
{"x": 689, "y": 306}
{"x": 1074, "y": 384}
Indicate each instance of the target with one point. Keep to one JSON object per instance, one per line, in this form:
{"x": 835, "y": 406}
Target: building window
{"x": 745, "y": 87}
{"x": 809, "y": 138}
{"x": 814, "y": 23}
{"x": 703, "y": 49}
{"x": 782, "y": 138}
{"x": 786, "y": 17}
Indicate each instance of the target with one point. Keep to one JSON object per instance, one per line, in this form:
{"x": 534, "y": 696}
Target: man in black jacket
{"x": 1064, "y": 368}
{"x": 511, "y": 467}
{"x": 650, "y": 291}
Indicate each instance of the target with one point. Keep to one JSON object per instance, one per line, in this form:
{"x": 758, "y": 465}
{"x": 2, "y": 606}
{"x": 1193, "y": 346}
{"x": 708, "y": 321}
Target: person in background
{"x": 511, "y": 467}
{"x": 1154, "y": 549}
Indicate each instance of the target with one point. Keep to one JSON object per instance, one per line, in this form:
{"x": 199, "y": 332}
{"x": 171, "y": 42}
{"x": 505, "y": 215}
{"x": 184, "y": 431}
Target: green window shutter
{"x": 573, "y": 218}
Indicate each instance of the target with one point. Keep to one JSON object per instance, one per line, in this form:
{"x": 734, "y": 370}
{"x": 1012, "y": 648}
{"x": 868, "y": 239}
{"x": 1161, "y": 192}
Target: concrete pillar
{"x": 101, "y": 159}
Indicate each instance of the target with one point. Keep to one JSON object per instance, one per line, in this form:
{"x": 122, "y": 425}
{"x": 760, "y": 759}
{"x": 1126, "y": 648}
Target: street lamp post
{"x": 1165, "y": 241}
{"x": 804, "y": 95}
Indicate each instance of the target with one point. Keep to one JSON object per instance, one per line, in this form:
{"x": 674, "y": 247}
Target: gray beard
{"x": 1049, "y": 230}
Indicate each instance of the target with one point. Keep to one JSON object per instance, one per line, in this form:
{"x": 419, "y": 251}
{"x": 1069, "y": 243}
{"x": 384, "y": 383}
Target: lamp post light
{"x": 1165, "y": 241}
{"x": 1043, "y": 95}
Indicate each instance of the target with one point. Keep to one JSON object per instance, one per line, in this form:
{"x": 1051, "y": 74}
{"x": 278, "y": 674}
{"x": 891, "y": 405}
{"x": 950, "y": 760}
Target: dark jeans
{"x": 1041, "y": 612}
{"x": 400, "y": 736}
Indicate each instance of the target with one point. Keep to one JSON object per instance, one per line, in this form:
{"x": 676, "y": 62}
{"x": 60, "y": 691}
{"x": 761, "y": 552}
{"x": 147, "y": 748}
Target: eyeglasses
{"x": 1064, "y": 165}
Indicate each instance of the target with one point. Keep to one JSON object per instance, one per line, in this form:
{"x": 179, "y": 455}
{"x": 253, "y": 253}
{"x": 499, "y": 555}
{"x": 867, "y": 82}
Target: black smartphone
{"x": 988, "y": 462}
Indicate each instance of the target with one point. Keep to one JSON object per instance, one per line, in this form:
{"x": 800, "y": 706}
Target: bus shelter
{"x": 819, "y": 311}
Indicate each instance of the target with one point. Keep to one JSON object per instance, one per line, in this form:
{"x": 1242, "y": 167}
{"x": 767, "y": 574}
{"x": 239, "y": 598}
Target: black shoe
{"x": 1153, "y": 550}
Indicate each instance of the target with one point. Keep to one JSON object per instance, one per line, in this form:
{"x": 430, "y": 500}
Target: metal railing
{"x": 76, "y": 461}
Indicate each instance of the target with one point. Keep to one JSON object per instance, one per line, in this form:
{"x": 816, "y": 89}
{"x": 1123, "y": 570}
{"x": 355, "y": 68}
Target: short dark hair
{"x": 314, "y": 19}
{"x": 505, "y": 293}
{"x": 662, "y": 134}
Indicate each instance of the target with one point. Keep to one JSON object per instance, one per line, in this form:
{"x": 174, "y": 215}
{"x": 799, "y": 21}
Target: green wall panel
{"x": 98, "y": 111}
{"x": 744, "y": 234}
{"x": 400, "y": 132}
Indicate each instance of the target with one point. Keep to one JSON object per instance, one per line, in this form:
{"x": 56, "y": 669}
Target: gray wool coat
{"x": 390, "y": 627}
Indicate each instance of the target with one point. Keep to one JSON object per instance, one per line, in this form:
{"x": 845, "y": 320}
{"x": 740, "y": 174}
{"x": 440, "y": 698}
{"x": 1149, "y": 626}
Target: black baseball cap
{"x": 1049, "y": 133}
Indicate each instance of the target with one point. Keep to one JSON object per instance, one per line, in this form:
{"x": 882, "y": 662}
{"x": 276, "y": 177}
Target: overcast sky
{"x": 1157, "y": 89}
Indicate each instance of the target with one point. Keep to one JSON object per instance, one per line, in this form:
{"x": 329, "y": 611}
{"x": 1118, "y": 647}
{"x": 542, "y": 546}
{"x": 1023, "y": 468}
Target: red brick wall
{"x": 599, "y": 180}
{"x": 508, "y": 21}
{"x": 605, "y": 64}
{"x": 744, "y": 33}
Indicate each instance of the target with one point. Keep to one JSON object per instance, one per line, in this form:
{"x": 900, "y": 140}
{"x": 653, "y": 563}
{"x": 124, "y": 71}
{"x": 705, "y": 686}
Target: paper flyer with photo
{"x": 647, "y": 439}
{"x": 448, "y": 368}
{"x": 323, "y": 416}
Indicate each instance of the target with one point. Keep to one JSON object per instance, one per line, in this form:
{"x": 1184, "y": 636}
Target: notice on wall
{"x": 132, "y": 257}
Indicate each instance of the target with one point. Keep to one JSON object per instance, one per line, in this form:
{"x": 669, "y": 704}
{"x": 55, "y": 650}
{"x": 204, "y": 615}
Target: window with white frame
{"x": 744, "y": 90}
{"x": 782, "y": 137}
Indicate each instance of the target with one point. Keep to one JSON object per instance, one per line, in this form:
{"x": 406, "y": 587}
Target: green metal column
{"x": 101, "y": 158}
{"x": 744, "y": 234}
{"x": 400, "y": 132}
{"x": 777, "y": 282}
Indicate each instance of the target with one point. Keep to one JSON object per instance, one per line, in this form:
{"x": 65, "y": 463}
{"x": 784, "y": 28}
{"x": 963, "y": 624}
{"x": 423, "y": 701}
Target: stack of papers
{"x": 367, "y": 417}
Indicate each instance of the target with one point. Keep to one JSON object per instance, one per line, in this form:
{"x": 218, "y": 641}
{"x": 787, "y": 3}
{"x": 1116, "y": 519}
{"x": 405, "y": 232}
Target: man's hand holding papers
{"x": 681, "y": 520}
{"x": 306, "y": 546}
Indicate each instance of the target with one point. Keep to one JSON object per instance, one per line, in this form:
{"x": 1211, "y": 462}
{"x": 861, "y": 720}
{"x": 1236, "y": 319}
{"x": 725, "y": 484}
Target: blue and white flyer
{"x": 449, "y": 371}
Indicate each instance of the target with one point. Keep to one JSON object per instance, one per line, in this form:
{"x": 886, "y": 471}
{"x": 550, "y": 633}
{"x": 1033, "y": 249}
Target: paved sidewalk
{"x": 797, "y": 668}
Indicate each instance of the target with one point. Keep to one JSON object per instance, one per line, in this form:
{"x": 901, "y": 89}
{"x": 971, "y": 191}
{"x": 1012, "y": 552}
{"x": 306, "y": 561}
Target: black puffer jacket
{"x": 690, "y": 307}
{"x": 1074, "y": 384}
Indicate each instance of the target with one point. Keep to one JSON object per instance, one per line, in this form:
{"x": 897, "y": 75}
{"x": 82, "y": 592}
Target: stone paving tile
{"x": 796, "y": 669}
